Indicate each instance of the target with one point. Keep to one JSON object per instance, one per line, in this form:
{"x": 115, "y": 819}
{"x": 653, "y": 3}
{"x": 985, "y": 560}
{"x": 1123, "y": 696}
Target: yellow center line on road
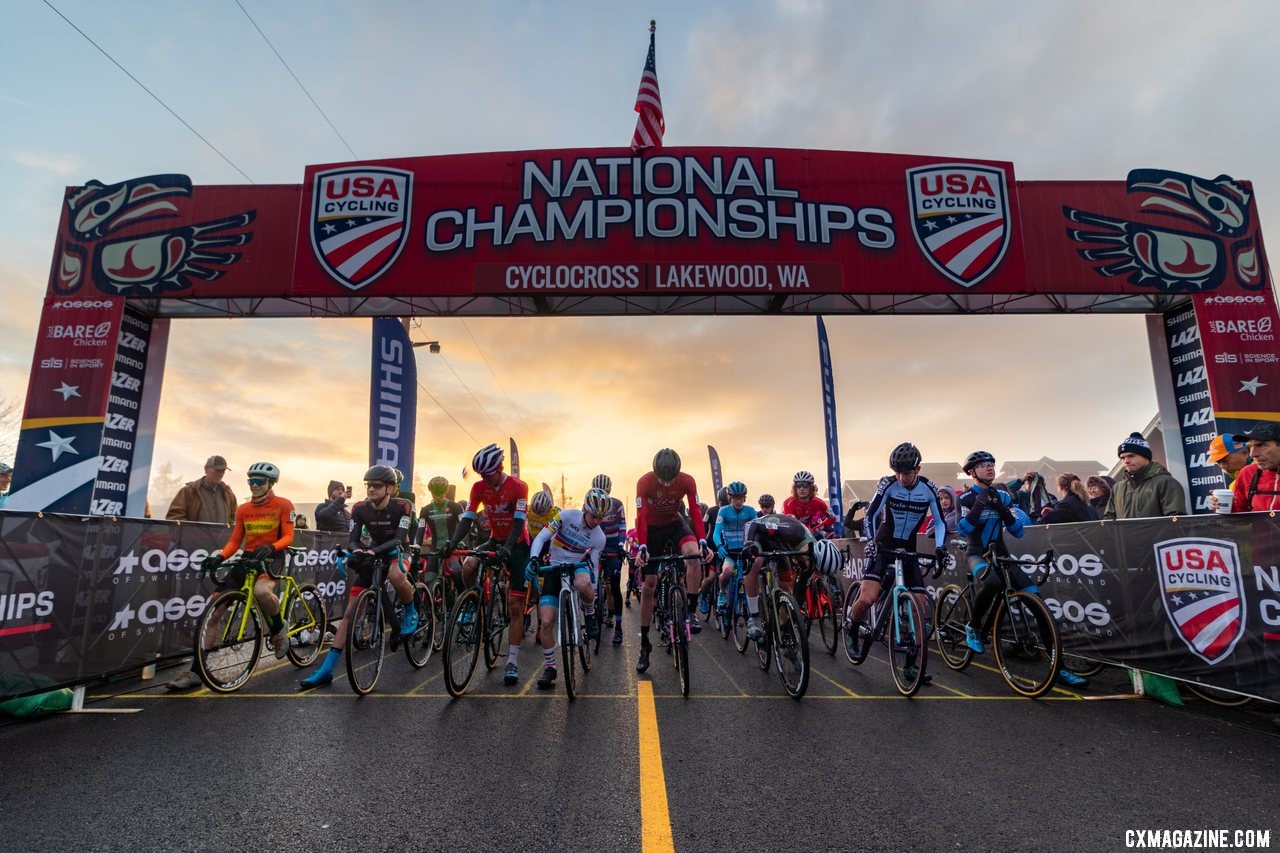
{"x": 655, "y": 816}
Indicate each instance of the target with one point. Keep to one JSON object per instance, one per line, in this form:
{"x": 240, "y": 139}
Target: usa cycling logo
{"x": 360, "y": 221}
{"x": 960, "y": 216}
{"x": 1202, "y": 593}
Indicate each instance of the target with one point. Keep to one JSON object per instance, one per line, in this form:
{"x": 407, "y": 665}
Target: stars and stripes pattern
{"x": 649, "y": 124}
{"x": 1211, "y": 621}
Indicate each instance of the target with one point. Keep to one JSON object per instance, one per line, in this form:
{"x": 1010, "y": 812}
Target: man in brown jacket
{"x": 206, "y": 499}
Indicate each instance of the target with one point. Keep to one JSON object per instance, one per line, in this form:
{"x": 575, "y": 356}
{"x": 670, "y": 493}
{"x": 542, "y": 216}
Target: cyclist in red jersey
{"x": 660, "y": 525}
{"x": 505, "y": 501}
{"x": 805, "y": 505}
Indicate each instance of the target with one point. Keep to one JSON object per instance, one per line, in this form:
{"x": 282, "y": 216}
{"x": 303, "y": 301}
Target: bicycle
{"x": 442, "y": 590}
{"x": 783, "y": 639}
{"x": 671, "y": 612}
{"x": 478, "y": 618}
{"x": 1027, "y": 650}
{"x": 573, "y": 624}
{"x": 604, "y": 595}
{"x": 823, "y": 605}
{"x": 907, "y": 640}
{"x": 229, "y": 635}
{"x": 376, "y": 609}
{"x": 733, "y": 616}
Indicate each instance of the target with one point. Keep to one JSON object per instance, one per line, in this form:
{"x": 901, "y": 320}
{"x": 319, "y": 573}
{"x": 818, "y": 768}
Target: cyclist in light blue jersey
{"x": 729, "y": 533}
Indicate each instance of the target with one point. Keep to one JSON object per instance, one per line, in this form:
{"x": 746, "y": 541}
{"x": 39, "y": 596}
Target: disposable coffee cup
{"x": 1224, "y": 500}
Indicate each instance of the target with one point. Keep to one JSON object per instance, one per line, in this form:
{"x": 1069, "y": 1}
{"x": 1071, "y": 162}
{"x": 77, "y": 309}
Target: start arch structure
{"x": 608, "y": 232}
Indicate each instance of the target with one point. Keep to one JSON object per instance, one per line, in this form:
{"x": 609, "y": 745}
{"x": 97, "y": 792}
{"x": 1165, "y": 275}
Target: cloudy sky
{"x": 1069, "y": 90}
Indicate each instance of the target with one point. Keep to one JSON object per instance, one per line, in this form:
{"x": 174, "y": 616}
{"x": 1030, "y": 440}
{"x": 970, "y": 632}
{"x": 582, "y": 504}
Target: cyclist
{"x": 542, "y": 511}
{"x": 576, "y": 535}
{"x": 264, "y": 527}
{"x": 728, "y": 534}
{"x": 505, "y": 501}
{"x": 774, "y": 532}
{"x": 614, "y": 524}
{"x": 709, "y": 517}
{"x": 633, "y": 571}
{"x": 437, "y": 521}
{"x": 805, "y": 505}
{"x": 985, "y": 514}
{"x": 901, "y": 503}
{"x": 385, "y": 520}
{"x": 661, "y": 495}
{"x": 766, "y": 504}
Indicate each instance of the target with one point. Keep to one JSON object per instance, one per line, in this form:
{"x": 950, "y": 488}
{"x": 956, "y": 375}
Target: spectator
{"x": 1072, "y": 505}
{"x": 332, "y": 515}
{"x": 206, "y": 499}
{"x": 300, "y": 522}
{"x": 947, "y": 503}
{"x": 1099, "y": 491}
{"x": 1031, "y": 494}
{"x": 1145, "y": 489}
{"x": 1257, "y": 486}
{"x": 1229, "y": 455}
{"x": 6, "y": 477}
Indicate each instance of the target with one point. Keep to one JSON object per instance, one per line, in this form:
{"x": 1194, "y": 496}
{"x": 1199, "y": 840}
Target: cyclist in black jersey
{"x": 386, "y": 520}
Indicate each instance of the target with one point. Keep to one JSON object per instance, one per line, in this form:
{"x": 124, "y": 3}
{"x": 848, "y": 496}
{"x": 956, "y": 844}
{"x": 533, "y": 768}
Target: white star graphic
{"x": 58, "y": 445}
{"x": 1252, "y": 386}
{"x": 329, "y": 228}
{"x": 67, "y": 391}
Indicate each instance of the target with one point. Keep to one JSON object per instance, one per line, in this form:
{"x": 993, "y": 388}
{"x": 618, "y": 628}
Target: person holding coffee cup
{"x": 1257, "y": 486}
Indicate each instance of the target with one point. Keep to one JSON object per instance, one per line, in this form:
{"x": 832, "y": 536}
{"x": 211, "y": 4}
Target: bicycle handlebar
{"x": 561, "y": 568}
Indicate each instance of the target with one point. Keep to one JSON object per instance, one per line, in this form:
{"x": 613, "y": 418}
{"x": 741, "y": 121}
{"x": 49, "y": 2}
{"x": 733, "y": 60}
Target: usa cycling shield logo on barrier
{"x": 960, "y": 216}
{"x": 1203, "y": 594}
{"x": 360, "y": 221}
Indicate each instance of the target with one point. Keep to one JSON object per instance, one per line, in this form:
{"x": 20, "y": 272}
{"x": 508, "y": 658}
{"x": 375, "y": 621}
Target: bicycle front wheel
{"x": 828, "y": 620}
{"x": 366, "y": 642}
{"x": 857, "y": 636}
{"x": 680, "y": 638}
{"x": 908, "y": 649}
{"x": 307, "y": 622}
{"x": 738, "y": 615}
{"x": 791, "y": 654}
{"x": 567, "y": 651}
{"x": 495, "y": 624}
{"x": 1026, "y": 644}
{"x": 764, "y": 646}
{"x": 462, "y": 642}
{"x": 418, "y": 648}
{"x": 951, "y": 614}
{"x": 228, "y": 642}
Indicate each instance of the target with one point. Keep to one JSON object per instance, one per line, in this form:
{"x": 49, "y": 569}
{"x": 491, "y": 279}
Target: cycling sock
{"x": 276, "y": 624}
{"x": 644, "y": 633}
{"x": 589, "y": 609}
{"x": 753, "y": 605}
{"x": 693, "y": 601}
{"x": 512, "y": 652}
{"x": 330, "y": 661}
{"x": 549, "y": 657}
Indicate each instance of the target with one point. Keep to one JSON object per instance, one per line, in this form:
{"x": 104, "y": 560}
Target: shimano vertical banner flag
{"x": 515, "y": 458}
{"x": 717, "y": 478}
{"x": 393, "y": 397}
{"x": 829, "y": 424}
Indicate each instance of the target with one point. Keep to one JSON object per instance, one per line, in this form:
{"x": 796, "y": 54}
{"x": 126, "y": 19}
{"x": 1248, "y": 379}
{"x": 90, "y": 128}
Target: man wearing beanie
{"x": 332, "y": 515}
{"x": 1145, "y": 489}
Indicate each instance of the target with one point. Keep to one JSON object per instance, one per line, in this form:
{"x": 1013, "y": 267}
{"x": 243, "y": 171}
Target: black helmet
{"x": 666, "y": 464}
{"x": 722, "y": 496}
{"x": 905, "y": 458}
{"x": 976, "y": 458}
{"x": 380, "y": 474}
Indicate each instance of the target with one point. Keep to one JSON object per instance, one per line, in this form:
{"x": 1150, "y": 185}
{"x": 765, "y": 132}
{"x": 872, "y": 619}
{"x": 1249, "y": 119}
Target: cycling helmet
{"x": 976, "y": 458}
{"x": 541, "y": 503}
{"x": 381, "y": 474}
{"x": 264, "y": 469}
{"x": 827, "y": 557}
{"x": 5, "y": 469}
{"x": 399, "y": 475}
{"x": 487, "y": 460}
{"x": 597, "y": 503}
{"x": 602, "y": 482}
{"x": 737, "y": 489}
{"x": 766, "y": 499}
{"x": 722, "y": 496}
{"x": 438, "y": 486}
{"x": 666, "y": 464}
{"x": 905, "y": 458}
{"x": 802, "y": 478}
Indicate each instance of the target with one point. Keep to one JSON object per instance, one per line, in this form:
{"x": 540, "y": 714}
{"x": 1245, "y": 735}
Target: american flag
{"x": 649, "y": 124}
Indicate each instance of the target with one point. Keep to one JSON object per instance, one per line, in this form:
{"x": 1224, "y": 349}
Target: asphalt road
{"x": 965, "y": 765}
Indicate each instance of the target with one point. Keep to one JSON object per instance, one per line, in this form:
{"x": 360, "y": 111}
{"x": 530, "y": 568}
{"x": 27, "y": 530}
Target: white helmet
{"x": 487, "y": 460}
{"x": 827, "y": 557}
{"x": 597, "y": 503}
{"x": 541, "y": 503}
{"x": 603, "y": 483}
{"x": 264, "y": 469}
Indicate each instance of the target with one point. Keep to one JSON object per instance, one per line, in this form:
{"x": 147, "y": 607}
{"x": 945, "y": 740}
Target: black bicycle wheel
{"x": 710, "y": 598}
{"x": 1026, "y": 644}
{"x": 680, "y": 641}
{"x": 228, "y": 642}
{"x": 439, "y": 612}
{"x": 307, "y": 622}
{"x": 951, "y": 613}
{"x": 1214, "y": 695}
{"x": 1083, "y": 667}
{"x": 462, "y": 642}
{"x": 857, "y": 637}
{"x": 567, "y": 651}
{"x": 495, "y": 624}
{"x": 764, "y": 646}
{"x": 366, "y": 642}
{"x": 827, "y": 616}
{"x": 584, "y": 644}
{"x": 908, "y": 649}
{"x": 418, "y": 648}
{"x": 791, "y": 654}
{"x": 739, "y": 617}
